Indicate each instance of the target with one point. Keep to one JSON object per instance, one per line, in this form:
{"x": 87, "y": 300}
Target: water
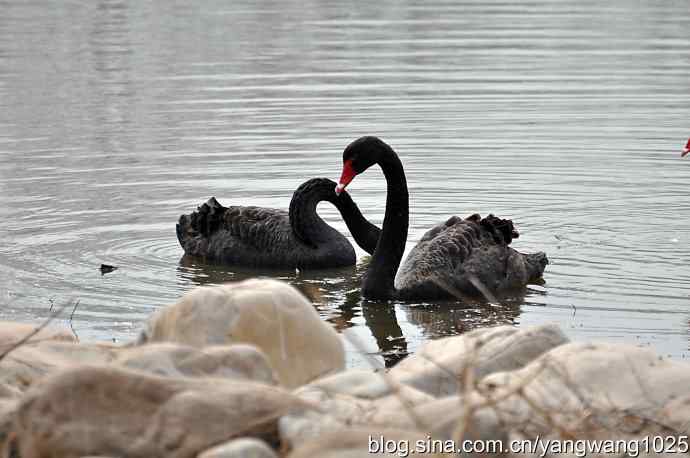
{"x": 567, "y": 116}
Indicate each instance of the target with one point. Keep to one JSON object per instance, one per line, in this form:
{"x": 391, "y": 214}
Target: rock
{"x": 363, "y": 443}
{"x": 269, "y": 314}
{"x": 572, "y": 391}
{"x": 676, "y": 414}
{"x": 591, "y": 391}
{"x": 358, "y": 383}
{"x": 12, "y": 333}
{"x": 441, "y": 417}
{"x": 354, "y": 397}
{"x": 115, "y": 412}
{"x": 175, "y": 360}
{"x": 8, "y": 409}
{"x": 438, "y": 367}
{"x": 9, "y": 391}
{"x": 29, "y": 363}
{"x": 240, "y": 448}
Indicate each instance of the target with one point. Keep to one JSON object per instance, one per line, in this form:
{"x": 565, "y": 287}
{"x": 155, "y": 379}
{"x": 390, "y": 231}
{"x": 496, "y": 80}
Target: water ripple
{"x": 564, "y": 116}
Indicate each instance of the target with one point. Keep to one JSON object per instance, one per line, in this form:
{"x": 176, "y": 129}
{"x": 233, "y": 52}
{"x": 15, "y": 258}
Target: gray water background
{"x": 117, "y": 116}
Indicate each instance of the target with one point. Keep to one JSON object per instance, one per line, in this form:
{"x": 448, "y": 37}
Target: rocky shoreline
{"x": 250, "y": 370}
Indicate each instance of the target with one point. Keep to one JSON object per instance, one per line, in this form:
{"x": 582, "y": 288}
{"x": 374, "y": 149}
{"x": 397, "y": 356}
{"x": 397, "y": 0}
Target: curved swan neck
{"x": 366, "y": 234}
{"x": 306, "y": 224}
{"x": 378, "y": 282}
{"x": 309, "y": 228}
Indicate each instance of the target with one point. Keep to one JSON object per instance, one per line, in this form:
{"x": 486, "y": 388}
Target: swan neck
{"x": 379, "y": 279}
{"x": 366, "y": 234}
{"x": 306, "y": 224}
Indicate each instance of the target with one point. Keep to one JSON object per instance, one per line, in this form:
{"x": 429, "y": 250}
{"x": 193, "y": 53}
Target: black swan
{"x": 460, "y": 257}
{"x": 271, "y": 238}
{"x": 686, "y": 150}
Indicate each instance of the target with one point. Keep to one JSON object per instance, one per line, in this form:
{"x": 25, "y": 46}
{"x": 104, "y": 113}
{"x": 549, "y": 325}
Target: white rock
{"x": 362, "y": 442}
{"x": 240, "y": 448}
{"x": 441, "y": 417}
{"x": 676, "y": 414}
{"x": 347, "y": 399}
{"x": 8, "y": 409}
{"x": 269, "y": 314}
{"x": 237, "y": 361}
{"x": 592, "y": 391}
{"x": 12, "y": 333}
{"x": 115, "y": 412}
{"x": 29, "y": 363}
{"x": 438, "y": 367}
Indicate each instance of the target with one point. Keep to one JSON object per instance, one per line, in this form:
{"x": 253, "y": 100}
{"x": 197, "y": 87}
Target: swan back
{"x": 453, "y": 255}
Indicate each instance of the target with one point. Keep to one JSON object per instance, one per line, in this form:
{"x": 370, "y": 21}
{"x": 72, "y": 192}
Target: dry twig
{"x": 38, "y": 329}
{"x": 76, "y": 304}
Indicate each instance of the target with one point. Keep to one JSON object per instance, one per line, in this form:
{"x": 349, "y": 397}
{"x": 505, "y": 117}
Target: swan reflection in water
{"x": 336, "y": 295}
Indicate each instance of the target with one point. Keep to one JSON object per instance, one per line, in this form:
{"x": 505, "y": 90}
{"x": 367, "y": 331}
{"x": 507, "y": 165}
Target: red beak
{"x": 345, "y": 177}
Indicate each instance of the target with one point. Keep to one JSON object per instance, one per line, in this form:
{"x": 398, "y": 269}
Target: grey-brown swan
{"x": 462, "y": 256}
{"x": 272, "y": 238}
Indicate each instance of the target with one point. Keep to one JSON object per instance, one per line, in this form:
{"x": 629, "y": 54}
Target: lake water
{"x": 566, "y": 116}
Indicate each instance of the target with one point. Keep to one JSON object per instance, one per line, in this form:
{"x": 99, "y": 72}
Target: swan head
{"x": 686, "y": 150}
{"x": 359, "y": 156}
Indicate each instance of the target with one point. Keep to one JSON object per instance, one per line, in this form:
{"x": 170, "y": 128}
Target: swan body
{"x": 460, "y": 257}
{"x": 272, "y": 238}
{"x": 450, "y": 258}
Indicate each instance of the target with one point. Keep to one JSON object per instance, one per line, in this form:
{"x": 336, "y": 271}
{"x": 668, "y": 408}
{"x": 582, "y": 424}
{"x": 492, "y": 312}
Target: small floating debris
{"x": 106, "y": 269}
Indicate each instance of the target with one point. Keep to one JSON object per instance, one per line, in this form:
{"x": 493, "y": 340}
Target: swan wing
{"x": 233, "y": 234}
{"x": 265, "y": 229}
{"x": 464, "y": 256}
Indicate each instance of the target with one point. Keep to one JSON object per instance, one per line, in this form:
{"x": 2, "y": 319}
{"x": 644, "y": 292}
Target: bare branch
{"x": 76, "y": 304}
{"x": 38, "y": 329}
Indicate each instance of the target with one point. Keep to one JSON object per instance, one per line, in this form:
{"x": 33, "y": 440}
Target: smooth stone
{"x": 12, "y": 333}
{"x": 358, "y": 383}
{"x": 115, "y": 412}
{"x": 592, "y": 391}
{"x": 237, "y": 361}
{"x": 441, "y": 417}
{"x": 676, "y": 414}
{"x": 240, "y": 448}
{"x": 8, "y": 391}
{"x": 8, "y": 409}
{"x": 440, "y": 366}
{"x": 270, "y": 314}
{"x": 353, "y": 397}
{"x": 354, "y": 443}
{"x": 30, "y": 363}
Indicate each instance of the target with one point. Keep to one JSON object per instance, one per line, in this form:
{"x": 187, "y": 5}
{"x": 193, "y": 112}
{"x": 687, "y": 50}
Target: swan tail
{"x": 503, "y": 230}
{"x": 200, "y": 224}
{"x": 536, "y": 263}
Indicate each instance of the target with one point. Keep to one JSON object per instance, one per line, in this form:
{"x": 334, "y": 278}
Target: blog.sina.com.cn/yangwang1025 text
{"x": 538, "y": 446}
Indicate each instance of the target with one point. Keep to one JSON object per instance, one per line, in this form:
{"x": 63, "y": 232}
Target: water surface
{"x": 567, "y": 116}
